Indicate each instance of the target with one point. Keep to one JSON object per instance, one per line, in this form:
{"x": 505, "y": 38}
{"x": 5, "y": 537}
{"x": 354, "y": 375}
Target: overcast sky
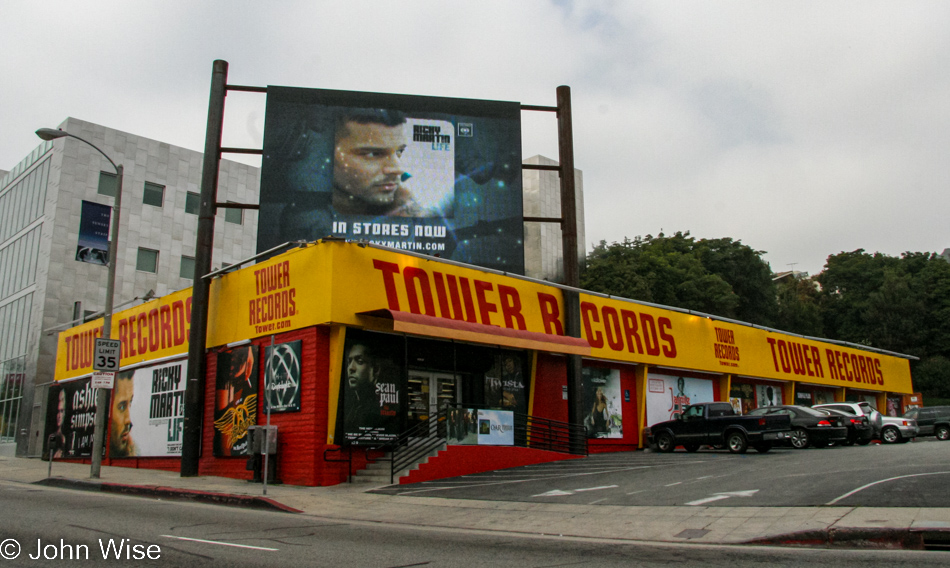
{"x": 802, "y": 129}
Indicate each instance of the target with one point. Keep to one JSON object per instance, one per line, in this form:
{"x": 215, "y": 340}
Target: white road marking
{"x": 553, "y": 493}
{"x": 708, "y": 500}
{"x": 221, "y": 543}
{"x": 724, "y": 495}
{"x": 672, "y": 484}
{"x": 595, "y": 488}
{"x": 862, "y": 488}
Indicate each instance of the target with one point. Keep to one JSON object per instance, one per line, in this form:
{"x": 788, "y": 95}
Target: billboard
{"x": 70, "y": 419}
{"x": 148, "y": 411}
{"x": 433, "y": 175}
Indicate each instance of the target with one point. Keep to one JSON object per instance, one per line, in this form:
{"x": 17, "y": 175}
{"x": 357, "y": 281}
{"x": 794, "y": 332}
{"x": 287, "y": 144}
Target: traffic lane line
{"x": 878, "y": 482}
{"x": 231, "y": 544}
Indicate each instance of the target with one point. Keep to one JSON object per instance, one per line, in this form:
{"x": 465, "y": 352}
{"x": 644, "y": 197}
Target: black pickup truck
{"x": 717, "y": 424}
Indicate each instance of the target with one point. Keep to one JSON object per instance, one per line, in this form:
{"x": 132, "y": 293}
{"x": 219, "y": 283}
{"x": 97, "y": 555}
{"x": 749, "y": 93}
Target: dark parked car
{"x": 810, "y": 427}
{"x": 860, "y": 431}
{"x": 932, "y": 421}
{"x": 717, "y": 424}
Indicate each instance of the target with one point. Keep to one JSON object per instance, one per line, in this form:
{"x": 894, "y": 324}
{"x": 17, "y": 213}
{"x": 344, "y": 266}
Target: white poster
{"x": 667, "y": 395}
{"x": 496, "y": 428}
{"x": 148, "y": 412}
{"x": 604, "y": 416}
{"x": 768, "y": 395}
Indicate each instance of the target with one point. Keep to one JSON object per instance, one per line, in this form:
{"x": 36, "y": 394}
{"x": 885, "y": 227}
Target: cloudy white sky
{"x": 800, "y": 128}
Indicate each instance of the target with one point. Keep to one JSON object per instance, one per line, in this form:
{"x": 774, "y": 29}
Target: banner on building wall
{"x": 70, "y": 419}
{"x": 668, "y": 395}
{"x": 480, "y": 427}
{"x": 602, "y": 403}
{"x": 496, "y": 428}
{"x": 282, "y": 378}
{"x": 147, "y": 411}
{"x": 432, "y": 175}
{"x": 372, "y": 386}
{"x": 93, "y": 244}
{"x": 235, "y": 404}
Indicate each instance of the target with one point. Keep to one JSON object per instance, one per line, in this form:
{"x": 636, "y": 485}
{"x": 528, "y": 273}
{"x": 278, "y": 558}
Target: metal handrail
{"x": 417, "y": 441}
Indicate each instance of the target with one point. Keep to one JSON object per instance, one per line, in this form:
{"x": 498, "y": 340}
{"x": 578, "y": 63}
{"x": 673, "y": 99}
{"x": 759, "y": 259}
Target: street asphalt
{"x": 855, "y": 527}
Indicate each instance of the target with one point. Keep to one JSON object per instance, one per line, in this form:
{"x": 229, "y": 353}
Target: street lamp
{"x": 102, "y": 399}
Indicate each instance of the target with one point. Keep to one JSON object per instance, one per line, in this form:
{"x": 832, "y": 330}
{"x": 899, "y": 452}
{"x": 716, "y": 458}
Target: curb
{"x": 157, "y": 491}
{"x": 864, "y": 538}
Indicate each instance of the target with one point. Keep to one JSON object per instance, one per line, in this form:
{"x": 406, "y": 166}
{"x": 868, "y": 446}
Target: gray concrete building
{"x": 43, "y": 285}
{"x": 542, "y": 241}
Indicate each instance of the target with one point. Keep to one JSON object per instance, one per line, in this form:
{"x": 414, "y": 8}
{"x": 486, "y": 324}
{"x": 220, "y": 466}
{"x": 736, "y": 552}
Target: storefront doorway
{"x": 430, "y": 392}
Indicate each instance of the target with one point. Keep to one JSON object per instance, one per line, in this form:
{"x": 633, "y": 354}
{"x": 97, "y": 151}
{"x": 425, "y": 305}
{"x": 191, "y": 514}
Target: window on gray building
{"x": 192, "y": 202}
{"x": 154, "y": 194}
{"x": 187, "y": 267}
{"x": 107, "y": 183}
{"x": 235, "y": 216}
{"x": 147, "y": 260}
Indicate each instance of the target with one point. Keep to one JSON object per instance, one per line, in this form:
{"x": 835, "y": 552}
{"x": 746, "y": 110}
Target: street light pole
{"x": 102, "y": 396}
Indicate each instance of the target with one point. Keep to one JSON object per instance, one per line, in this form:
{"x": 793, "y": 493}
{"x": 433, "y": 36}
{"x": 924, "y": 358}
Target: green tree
{"x": 798, "y": 307}
{"x": 679, "y": 271}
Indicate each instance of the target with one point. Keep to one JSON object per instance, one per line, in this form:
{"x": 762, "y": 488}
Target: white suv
{"x": 860, "y": 409}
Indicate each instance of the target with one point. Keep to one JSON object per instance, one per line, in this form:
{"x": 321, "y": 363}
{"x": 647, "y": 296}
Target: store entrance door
{"x": 430, "y": 392}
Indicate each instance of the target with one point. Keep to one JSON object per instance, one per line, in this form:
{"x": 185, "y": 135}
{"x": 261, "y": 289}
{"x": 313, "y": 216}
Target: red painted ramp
{"x": 466, "y": 460}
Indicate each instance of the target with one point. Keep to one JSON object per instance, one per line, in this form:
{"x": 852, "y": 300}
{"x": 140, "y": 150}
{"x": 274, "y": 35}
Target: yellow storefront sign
{"x": 153, "y": 330}
{"x": 358, "y": 285}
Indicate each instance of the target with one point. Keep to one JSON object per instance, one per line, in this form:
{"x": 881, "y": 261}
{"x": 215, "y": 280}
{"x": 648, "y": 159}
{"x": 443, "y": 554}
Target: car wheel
{"x": 691, "y": 447}
{"x": 763, "y": 448}
{"x": 737, "y": 443}
{"x": 890, "y": 435}
{"x": 800, "y": 439}
{"x": 664, "y": 443}
{"x": 942, "y": 433}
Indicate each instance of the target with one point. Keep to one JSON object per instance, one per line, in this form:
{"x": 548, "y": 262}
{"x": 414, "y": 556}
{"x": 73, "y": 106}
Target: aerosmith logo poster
{"x": 235, "y": 404}
{"x": 282, "y": 378}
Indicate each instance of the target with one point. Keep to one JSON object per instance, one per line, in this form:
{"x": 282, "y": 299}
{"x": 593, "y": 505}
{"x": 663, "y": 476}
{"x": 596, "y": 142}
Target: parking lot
{"x": 915, "y": 474}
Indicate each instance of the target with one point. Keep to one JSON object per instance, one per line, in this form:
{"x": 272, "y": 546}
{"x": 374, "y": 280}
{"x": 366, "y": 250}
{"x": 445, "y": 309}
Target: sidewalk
{"x": 815, "y": 526}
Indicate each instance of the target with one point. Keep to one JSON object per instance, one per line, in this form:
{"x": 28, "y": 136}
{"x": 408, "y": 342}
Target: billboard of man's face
{"x": 120, "y": 435}
{"x": 367, "y": 167}
{"x": 427, "y": 174}
{"x": 359, "y": 367}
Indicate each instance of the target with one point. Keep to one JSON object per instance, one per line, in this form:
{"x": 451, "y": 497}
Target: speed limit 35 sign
{"x": 106, "y": 357}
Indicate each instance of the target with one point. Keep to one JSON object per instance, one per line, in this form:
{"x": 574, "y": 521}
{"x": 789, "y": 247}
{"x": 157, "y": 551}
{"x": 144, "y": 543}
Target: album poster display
{"x": 70, "y": 419}
{"x": 372, "y": 386}
{"x": 768, "y": 395}
{"x": 147, "y": 412}
{"x": 505, "y": 385}
{"x": 282, "y": 377}
{"x": 235, "y": 405}
{"x": 668, "y": 395}
{"x": 602, "y": 403}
